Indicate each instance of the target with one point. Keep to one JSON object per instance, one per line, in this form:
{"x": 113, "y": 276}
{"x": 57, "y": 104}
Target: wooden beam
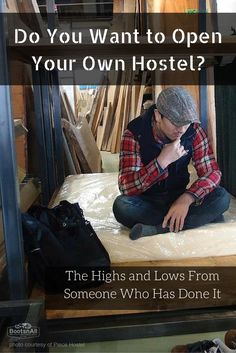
{"x": 106, "y": 116}
{"x": 67, "y": 112}
{"x": 211, "y": 110}
{"x": 11, "y": 6}
{"x": 141, "y": 92}
{"x": 97, "y": 109}
{"x": 79, "y": 159}
{"x": 85, "y": 146}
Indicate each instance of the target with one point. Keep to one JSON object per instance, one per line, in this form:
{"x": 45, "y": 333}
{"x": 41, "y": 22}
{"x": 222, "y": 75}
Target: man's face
{"x": 168, "y": 129}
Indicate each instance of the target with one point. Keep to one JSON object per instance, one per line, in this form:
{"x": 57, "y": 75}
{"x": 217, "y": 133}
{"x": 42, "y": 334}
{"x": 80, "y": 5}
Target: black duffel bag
{"x": 60, "y": 239}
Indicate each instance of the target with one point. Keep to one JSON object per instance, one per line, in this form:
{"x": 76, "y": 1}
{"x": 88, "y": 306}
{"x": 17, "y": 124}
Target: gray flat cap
{"x": 177, "y": 105}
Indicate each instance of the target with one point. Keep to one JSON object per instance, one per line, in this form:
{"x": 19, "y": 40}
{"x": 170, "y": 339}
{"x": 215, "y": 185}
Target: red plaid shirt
{"x": 135, "y": 177}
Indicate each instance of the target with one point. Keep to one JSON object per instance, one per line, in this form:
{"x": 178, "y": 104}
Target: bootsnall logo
{"x": 23, "y": 330}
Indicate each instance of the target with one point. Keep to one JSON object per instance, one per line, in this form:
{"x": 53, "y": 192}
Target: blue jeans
{"x": 129, "y": 210}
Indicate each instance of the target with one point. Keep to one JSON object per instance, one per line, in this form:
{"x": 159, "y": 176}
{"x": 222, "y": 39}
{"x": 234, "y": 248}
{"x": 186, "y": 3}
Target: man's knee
{"x": 218, "y": 200}
{"x": 125, "y": 209}
{"x": 118, "y": 204}
{"x": 126, "y": 203}
{"x": 222, "y": 199}
{"x": 120, "y": 209}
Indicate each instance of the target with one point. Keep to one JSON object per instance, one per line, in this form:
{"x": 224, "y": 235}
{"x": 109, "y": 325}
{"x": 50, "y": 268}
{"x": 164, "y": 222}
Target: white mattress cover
{"x": 96, "y": 193}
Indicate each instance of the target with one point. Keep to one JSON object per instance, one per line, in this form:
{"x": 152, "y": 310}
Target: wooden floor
{"x": 70, "y": 312}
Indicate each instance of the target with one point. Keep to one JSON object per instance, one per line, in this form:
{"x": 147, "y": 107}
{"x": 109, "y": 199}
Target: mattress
{"x": 96, "y": 193}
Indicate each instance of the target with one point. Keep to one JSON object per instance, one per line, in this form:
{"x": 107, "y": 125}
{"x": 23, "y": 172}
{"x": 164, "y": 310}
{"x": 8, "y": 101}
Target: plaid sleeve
{"x": 206, "y": 166}
{"x": 134, "y": 177}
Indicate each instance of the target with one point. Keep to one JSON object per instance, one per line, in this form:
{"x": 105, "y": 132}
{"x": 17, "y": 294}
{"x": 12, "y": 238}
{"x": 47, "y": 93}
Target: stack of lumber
{"x": 114, "y": 106}
{"x": 82, "y": 153}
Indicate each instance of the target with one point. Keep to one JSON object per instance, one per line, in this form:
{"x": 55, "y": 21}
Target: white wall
{"x": 225, "y": 24}
{"x": 226, "y": 5}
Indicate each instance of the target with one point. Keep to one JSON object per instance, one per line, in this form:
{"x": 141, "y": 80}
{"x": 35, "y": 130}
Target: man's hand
{"x": 171, "y": 153}
{"x": 178, "y": 212}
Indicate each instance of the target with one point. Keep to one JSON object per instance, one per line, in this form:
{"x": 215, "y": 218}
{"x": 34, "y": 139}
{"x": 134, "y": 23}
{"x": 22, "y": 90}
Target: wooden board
{"x": 83, "y": 101}
{"x": 66, "y": 109}
{"x": 194, "y": 262}
{"x": 95, "y": 115}
{"x": 127, "y": 109}
{"x": 118, "y": 6}
{"x": 101, "y": 133}
{"x": 123, "y": 119}
{"x": 11, "y": 6}
{"x": 70, "y": 164}
{"x": 141, "y": 92}
{"x": 178, "y": 6}
{"x": 99, "y": 112}
{"x": 211, "y": 111}
{"x": 154, "y": 6}
{"x": 82, "y": 140}
{"x": 112, "y": 98}
{"x": 19, "y": 112}
{"x": 118, "y": 119}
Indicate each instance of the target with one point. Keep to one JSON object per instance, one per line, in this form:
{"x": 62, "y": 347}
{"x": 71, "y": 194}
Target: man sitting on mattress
{"x": 156, "y": 150}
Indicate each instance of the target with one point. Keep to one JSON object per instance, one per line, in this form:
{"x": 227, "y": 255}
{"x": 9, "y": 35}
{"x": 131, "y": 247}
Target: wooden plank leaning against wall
{"x": 104, "y": 124}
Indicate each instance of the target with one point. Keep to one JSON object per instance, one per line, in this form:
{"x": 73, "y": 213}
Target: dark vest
{"x": 178, "y": 175}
